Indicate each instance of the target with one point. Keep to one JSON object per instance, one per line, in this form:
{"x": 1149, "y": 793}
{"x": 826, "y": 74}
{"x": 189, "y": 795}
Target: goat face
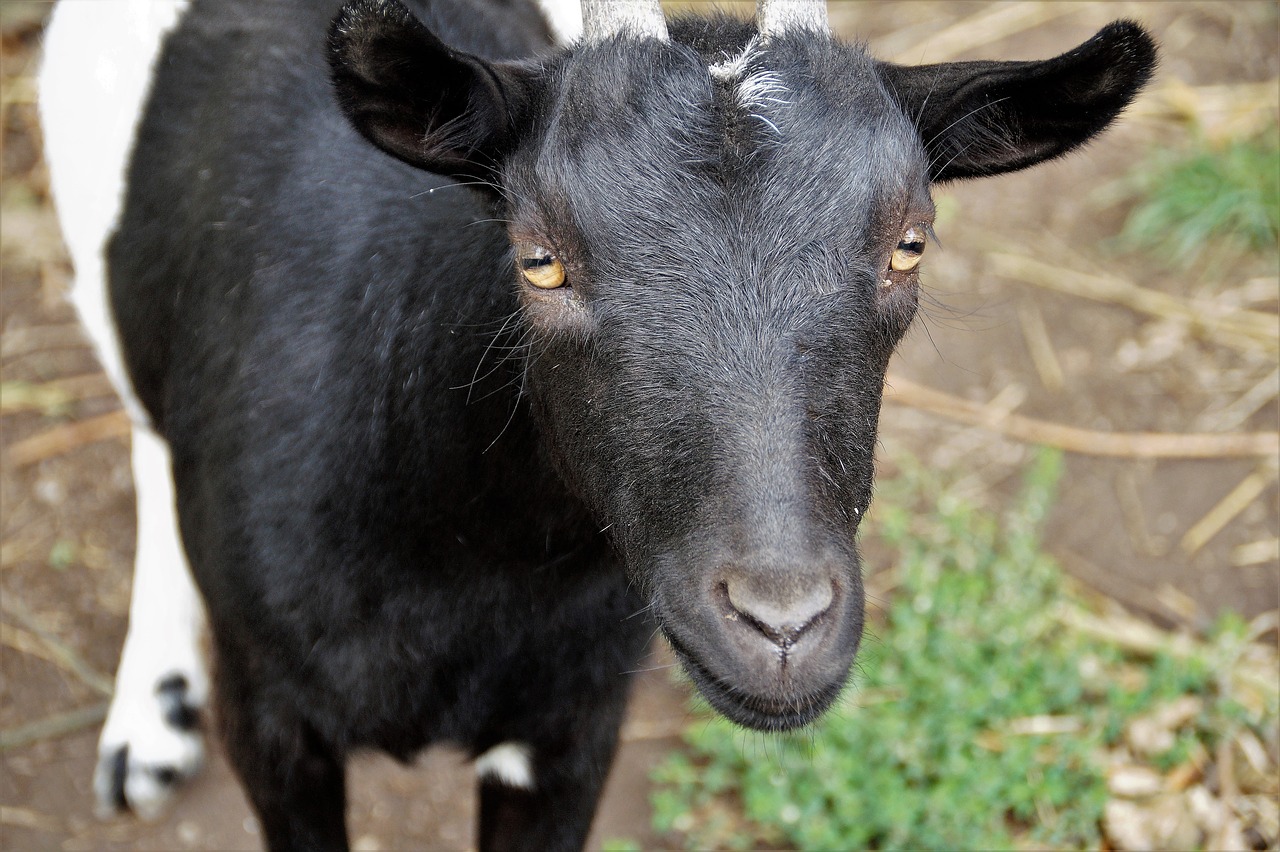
{"x": 716, "y": 242}
{"x": 708, "y": 374}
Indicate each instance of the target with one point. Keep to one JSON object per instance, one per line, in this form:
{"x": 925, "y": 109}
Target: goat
{"x": 600, "y": 332}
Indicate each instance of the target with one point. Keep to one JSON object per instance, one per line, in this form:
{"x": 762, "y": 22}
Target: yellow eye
{"x": 540, "y": 267}
{"x": 906, "y": 256}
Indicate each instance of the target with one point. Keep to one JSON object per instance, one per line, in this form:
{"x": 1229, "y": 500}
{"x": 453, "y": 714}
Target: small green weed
{"x": 1207, "y": 202}
{"x": 63, "y": 554}
{"x": 620, "y": 844}
{"x": 976, "y": 719}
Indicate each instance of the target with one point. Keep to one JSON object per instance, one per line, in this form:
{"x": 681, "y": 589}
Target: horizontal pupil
{"x": 914, "y": 248}
{"x": 536, "y": 262}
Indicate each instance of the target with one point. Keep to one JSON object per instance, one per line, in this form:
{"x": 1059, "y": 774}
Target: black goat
{"x": 605, "y": 336}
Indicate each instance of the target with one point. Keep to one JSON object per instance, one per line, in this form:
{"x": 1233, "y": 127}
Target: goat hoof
{"x": 150, "y": 745}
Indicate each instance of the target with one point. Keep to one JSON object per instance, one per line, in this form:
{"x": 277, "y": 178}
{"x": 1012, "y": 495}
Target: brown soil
{"x": 68, "y": 518}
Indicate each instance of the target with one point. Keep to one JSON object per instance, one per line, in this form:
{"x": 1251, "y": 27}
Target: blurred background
{"x": 1072, "y": 561}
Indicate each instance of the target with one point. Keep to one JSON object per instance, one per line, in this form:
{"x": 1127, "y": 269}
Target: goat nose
{"x": 783, "y": 618}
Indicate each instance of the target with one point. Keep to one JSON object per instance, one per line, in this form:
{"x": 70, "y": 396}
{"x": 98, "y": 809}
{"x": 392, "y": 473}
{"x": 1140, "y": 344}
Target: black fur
{"x": 119, "y": 769}
{"x": 427, "y": 502}
{"x": 178, "y": 712}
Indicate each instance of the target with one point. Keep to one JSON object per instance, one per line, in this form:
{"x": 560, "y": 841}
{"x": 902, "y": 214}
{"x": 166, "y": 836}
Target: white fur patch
{"x": 510, "y": 763}
{"x": 760, "y": 89}
{"x": 565, "y": 17}
{"x": 756, "y": 91}
{"x": 734, "y": 67}
{"x": 94, "y": 81}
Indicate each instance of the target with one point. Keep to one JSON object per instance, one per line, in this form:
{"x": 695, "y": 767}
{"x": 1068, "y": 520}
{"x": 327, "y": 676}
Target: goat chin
{"x": 790, "y": 708}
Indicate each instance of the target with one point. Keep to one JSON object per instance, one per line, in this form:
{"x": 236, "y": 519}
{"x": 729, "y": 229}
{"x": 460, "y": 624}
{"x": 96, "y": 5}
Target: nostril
{"x": 781, "y": 615}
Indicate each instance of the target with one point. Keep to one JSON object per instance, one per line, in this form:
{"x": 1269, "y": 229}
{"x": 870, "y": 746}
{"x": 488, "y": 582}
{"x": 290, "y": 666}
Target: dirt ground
{"x": 1156, "y": 534}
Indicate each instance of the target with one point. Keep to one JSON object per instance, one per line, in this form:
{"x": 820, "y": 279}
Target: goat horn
{"x": 603, "y": 18}
{"x": 774, "y": 17}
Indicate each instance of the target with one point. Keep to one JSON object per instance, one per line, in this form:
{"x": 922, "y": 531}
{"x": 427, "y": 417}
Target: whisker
{"x": 471, "y": 386}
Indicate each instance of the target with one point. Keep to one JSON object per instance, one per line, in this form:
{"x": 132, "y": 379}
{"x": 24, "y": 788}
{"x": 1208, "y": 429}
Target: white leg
{"x": 151, "y": 741}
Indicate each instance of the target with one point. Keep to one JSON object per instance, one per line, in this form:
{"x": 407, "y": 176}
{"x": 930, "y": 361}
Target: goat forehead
{"x": 781, "y": 143}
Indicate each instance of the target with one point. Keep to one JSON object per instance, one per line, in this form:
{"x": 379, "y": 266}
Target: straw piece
{"x": 1241, "y": 329}
{"x": 16, "y": 817}
{"x": 67, "y": 437}
{"x": 1239, "y": 498}
{"x": 1221, "y": 112}
{"x": 56, "y": 725}
{"x": 1083, "y": 441}
{"x": 53, "y": 395}
{"x": 1262, "y": 552}
{"x": 42, "y": 338}
{"x": 1040, "y": 345}
{"x": 1145, "y": 640}
{"x": 1244, "y": 407}
{"x": 657, "y": 729}
{"x": 26, "y": 642}
{"x": 969, "y": 35}
{"x": 60, "y": 653}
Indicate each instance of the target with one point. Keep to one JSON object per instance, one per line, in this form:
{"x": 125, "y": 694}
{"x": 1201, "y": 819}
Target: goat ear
{"x": 417, "y": 99}
{"x": 984, "y": 118}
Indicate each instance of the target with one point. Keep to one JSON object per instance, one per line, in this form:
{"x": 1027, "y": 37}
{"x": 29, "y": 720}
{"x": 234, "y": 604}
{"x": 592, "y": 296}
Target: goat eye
{"x": 906, "y": 256}
{"x": 540, "y": 267}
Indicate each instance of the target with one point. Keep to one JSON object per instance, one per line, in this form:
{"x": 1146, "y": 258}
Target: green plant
{"x": 1192, "y": 202}
{"x": 976, "y": 718}
{"x": 620, "y": 844}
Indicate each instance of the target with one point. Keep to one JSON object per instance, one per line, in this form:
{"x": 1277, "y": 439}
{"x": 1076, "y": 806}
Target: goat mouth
{"x": 761, "y": 713}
